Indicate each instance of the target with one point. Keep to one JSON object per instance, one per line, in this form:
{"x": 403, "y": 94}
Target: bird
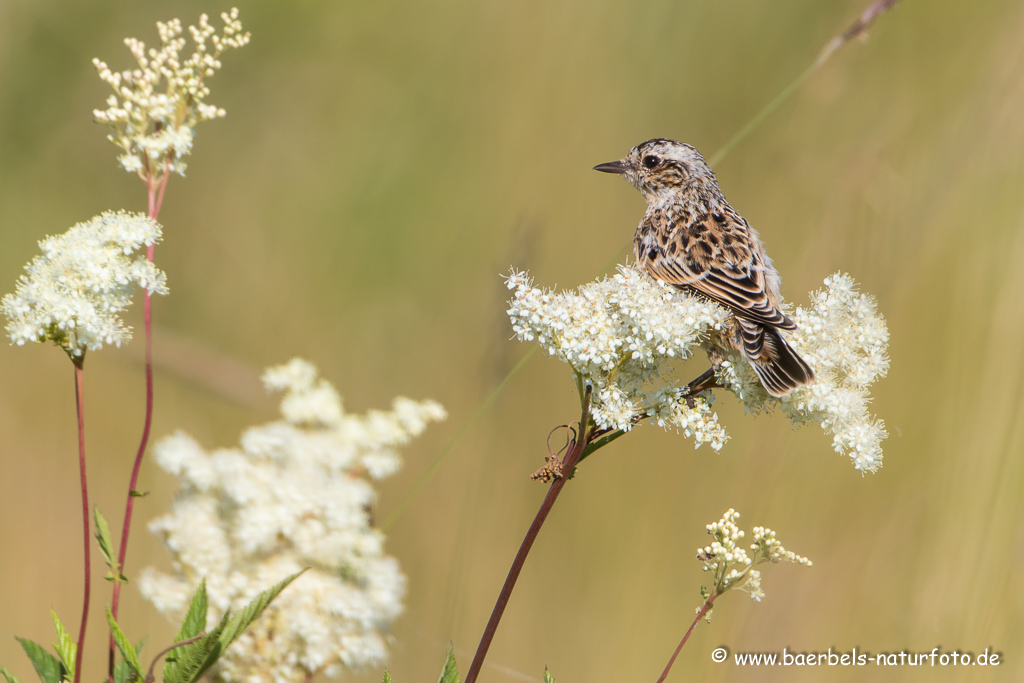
{"x": 691, "y": 238}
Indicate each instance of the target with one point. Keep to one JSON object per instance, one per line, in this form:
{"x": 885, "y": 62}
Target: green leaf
{"x": 107, "y": 548}
{"x": 191, "y": 659}
{"x": 103, "y": 536}
{"x": 122, "y": 672}
{"x": 11, "y": 678}
{"x": 254, "y": 609}
{"x": 599, "y": 443}
{"x": 138, "y": 494}
{"x": 387, "y": 677}
{"x": 46, "y": 665}
{"x": 131, "y": 657}
{"x": 195, "y": 619}
{"x": 196, "y": 658}
{"x": 192, "y": 626}
{"x": 548, "y": 678}
{"x": 449, "y": 674}
{"x": 65, "y": 647}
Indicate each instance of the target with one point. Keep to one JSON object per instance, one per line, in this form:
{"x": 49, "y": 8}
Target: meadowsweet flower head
{"x": 624, "y": 335}
{"x": 844, "y": 338}
{"x": 731, "y": 565}
{"x": 621, "y": 335}
{"x": 73, "y": 293}
{"x": 156, "y": 106}
{"x": 296, "y": 493}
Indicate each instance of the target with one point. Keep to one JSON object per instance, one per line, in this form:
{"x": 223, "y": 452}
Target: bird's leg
{"x": 702, "y": 383}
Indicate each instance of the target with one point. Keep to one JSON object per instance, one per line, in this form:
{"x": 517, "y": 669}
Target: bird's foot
{"x": 703, "y": 383}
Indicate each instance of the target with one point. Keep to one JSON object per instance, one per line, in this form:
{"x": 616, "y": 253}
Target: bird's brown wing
{"x": 714, "y": 255}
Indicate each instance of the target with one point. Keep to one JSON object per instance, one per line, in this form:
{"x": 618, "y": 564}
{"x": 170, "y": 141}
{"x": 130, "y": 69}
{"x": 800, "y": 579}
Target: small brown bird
{"x": 691, "y": 238}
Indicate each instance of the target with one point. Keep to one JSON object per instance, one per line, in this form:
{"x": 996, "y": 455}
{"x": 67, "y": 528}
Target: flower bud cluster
{"x": 155, "y": 107}
{"x": 731, "y": 565}
{"x": 766, "y": 545}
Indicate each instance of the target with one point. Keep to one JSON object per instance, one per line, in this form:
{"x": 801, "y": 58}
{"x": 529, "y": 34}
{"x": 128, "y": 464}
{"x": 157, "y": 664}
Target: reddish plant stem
{"x": 568, "y": 463}
{"x": 80, "y": 408}
{"x": 700, "y": 615}
{"x": 150, "y": 677}
{"x": 155, "y": 200}
{"x": 154, "y": 208}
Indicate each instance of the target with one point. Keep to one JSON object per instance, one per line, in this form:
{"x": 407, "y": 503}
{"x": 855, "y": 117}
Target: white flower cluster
{"x": 730, "y": 564}
{"x": 724, "y": 555}
{"x": 618, "y": 334}
{"x": 155, "y": 107}
{"x": 72, "y": 293}
{"x": 771, "y": 549}
{"x": 621, "y": 334}
{"x": 297, "y": 493}
{"x": 844, "y": 338}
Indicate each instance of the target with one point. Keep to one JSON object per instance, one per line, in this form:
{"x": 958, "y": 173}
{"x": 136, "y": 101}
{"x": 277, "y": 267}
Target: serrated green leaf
{"x": 103, "y": 536}
{"x": 387, "y": 677}
{"x": 65, "y": 647}
{"x": 128, "y": 653}
{"x": 195, "y": 618}
{"x": 193, "y": 625}
{"x": 548, "y": 678}
{"x": 218, "y": 640}
{"x": 46, "y": 665}
{"x": 254, "y": 609}
{"x": 122, "y": 671}
{"x": 107, "y": 548}
{"x": 449, "y": 674}
{"x": 192, "y": 658}
{"x": 11, "y": 678}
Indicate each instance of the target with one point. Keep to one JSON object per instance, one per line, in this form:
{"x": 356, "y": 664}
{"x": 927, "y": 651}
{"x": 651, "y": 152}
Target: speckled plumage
{"x": 692, "y": 238}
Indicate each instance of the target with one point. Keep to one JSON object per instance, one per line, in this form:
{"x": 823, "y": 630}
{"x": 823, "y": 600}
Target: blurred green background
{"x": 382, "y": 163}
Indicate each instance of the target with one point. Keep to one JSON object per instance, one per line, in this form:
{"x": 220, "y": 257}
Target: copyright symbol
{"x": 719, "y": 654}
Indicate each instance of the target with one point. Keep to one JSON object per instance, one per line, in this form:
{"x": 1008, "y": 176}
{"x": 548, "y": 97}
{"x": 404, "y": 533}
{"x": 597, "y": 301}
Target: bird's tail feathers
{"x": 778, "y": 366}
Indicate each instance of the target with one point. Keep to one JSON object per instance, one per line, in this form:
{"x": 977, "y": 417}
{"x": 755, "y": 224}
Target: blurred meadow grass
{"x": 382, "y": 163}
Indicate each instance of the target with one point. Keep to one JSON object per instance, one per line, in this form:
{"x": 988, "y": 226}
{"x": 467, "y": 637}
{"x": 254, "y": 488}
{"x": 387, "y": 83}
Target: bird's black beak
{"x": 612, "y": 167}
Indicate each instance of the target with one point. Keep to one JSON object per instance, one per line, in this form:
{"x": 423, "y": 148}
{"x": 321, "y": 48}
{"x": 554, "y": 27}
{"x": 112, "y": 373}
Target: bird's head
{"x": 662, "y": 168}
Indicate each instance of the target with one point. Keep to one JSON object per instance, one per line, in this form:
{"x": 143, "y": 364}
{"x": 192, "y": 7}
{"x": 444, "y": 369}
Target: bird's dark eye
{"x": 650, "y": 161}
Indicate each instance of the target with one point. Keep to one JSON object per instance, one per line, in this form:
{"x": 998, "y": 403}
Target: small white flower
{"x": 296, "y": 494}
{"x": 74, "y": 292}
